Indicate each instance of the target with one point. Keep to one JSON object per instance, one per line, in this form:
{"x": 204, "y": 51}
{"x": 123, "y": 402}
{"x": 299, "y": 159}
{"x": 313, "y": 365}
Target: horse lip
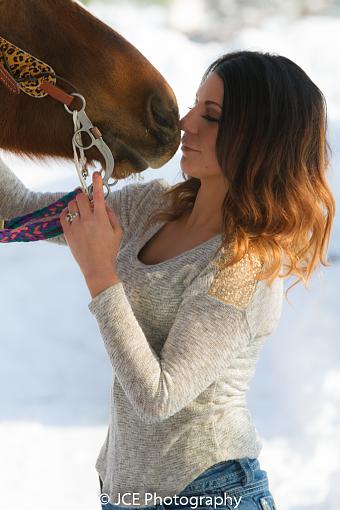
{"x": 133, "y": 154}
{"x": 120, "y": 150}
{"x": 125, "y": 151}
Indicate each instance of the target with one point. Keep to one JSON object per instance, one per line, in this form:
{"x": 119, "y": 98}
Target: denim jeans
{"x": 228, "y": 485}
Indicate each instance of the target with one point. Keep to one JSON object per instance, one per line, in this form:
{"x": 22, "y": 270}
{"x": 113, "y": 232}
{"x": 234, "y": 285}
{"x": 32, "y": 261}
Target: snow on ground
{"x": 54, "y": 373}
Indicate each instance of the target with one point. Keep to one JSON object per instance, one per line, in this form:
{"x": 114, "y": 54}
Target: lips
{"x": 187, "y": 148}
{"x": 186, "y": 145}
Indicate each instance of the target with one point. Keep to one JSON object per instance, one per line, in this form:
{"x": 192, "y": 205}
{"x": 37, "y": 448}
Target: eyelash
{"x": 207, "y": 117}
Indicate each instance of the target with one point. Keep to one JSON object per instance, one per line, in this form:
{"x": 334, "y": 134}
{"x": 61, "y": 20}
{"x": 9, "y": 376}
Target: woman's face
{"x": 200, "y": 128}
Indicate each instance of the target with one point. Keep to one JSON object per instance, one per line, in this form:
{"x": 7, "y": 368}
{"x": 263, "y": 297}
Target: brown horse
{"x": 127, "y": 98}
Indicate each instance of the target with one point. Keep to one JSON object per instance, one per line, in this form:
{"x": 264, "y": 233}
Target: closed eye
{"x": 210, "y": 119}
{"x": 207, "y": 117}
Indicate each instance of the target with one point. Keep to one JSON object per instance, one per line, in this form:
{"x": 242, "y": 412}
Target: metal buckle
{"x": 86, "y": 127}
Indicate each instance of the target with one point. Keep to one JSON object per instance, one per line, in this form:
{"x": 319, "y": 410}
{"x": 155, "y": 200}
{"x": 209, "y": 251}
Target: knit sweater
{"x": 183, "y": 337}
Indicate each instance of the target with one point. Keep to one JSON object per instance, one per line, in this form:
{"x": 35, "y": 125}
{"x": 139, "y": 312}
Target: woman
{"x": 184, "y": 305}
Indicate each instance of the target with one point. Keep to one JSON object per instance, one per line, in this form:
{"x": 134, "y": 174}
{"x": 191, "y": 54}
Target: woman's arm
{"x": 17, "y": 200}
{"x": 206, "y": 337}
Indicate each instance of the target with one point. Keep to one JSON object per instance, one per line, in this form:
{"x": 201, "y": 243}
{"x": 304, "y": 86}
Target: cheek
{"x": 209, "y": 154}
{"x": 209, "y": 146}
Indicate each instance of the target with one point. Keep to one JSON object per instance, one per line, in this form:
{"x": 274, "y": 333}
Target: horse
{"x": 126, "y": 97}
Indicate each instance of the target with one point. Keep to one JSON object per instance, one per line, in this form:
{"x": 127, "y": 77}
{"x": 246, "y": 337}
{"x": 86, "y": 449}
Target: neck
{"x": 206, "y": 213}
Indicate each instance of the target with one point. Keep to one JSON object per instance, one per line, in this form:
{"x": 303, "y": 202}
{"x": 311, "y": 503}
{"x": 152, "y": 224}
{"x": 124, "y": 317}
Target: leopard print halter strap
{"x": 21, "y": 71}
{"x": 27, "y": 71}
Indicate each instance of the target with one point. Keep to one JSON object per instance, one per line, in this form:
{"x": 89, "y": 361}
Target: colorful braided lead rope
{"x": 38, "y": 225}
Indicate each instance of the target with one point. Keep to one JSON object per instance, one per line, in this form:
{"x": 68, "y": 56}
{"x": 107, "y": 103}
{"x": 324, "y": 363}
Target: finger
{"x": 72, "y": 206}
{"x": 63, "y": 221}
{"x": 98, "y": 193}
{"x": 83, "y": 204}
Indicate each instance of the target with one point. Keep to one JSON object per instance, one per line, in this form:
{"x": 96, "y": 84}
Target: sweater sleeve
{"x": 17, "y": 200}
{"x": 211, "y": 329}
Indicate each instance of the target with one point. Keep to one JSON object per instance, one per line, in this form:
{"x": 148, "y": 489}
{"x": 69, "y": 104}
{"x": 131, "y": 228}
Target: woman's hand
{"x": 94, "y": 237}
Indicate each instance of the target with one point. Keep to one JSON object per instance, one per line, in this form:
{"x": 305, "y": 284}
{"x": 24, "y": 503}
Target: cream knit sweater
{"x": 183, "y": 337}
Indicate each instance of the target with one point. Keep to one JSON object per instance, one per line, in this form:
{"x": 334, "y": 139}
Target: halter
{"x": 22, "y": 72}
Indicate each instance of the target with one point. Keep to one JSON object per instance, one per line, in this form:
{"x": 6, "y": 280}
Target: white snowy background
{"x": 54, "y": 372}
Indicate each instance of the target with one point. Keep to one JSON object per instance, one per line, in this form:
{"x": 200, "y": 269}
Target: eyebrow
{"x": 210, "y": 102}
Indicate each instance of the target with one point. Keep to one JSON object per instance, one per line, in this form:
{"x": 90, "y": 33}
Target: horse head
{"x": 127, "y": 98}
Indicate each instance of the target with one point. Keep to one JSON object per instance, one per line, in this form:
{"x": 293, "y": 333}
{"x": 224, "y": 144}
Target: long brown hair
{"x": 273, "y": 152}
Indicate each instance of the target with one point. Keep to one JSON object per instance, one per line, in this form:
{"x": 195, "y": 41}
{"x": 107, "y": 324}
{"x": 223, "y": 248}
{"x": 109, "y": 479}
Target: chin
{"x": 199, "y": 170}
{"x": 188, "y": 169}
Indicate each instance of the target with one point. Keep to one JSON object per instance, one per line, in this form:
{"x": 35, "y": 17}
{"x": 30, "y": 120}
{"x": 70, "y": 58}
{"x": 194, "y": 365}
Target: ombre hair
{"x": 273, "y": 152}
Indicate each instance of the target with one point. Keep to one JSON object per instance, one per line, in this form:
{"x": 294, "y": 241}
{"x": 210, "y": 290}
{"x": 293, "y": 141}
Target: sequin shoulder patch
{"x": 235, "y": 284}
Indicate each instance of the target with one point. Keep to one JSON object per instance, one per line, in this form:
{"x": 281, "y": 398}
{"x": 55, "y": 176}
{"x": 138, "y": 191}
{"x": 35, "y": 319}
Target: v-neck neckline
{"x": 150, "y": 233}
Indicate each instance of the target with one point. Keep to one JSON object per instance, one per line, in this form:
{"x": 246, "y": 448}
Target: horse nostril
{"x": 163, "y": 115}
{"x": 161, "y": 120}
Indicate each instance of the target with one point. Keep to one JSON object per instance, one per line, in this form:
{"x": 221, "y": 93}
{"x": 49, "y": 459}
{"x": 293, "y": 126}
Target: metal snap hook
{"x": 90, "y": 190}
{"x": 106, "y": 180}
{"x": 83, "y": 101}
{"x": 112, "y": 183}
{"x": 86, "y": 132}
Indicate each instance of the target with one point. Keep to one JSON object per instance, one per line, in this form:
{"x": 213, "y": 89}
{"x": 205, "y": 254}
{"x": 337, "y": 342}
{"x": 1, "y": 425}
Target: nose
{"x": 181, "y": 123}
{"x": 163, "y": 116}
{"x": 187, "y": 123}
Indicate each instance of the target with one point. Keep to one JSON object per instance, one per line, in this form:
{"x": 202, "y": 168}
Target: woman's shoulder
{"x": 237, "y": 286}
{"x": 135, "y": 198}
{"x": 140, "y": 195}
{"x": 140, "y": 187}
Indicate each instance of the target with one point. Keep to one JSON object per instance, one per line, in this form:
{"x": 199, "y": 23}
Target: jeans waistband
{"x": 216, "y": 476}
